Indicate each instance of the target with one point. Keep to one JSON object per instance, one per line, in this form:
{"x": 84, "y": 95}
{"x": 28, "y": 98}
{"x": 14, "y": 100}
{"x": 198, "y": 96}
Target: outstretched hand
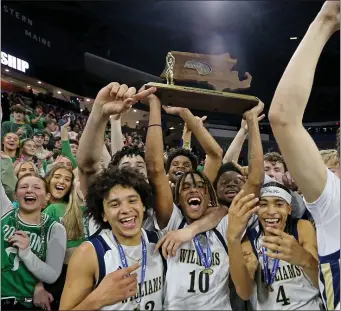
{"x": 201, "y": 120}
{"x": 257, "y": 110}
{"x": 118, "y": 98}
{"x": 243, "y": 125}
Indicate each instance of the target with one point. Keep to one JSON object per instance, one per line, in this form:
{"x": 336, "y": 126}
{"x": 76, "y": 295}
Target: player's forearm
{"x": 116, "y": 135}
{"x": 233, "y": 152}
{"x": 205, "y": 139}
{"x": 310, "y": 267}
{"x": 186, "y": 139}
{"x": 255, "y": 154}
{"x": 93, "y": 135}
{"x": 239, "y": 272}
{"x": 209, "y": 221}
{"x": 293, "y": 91}
{"x": 154, "y": 142}
{"x": 91, "y": 302}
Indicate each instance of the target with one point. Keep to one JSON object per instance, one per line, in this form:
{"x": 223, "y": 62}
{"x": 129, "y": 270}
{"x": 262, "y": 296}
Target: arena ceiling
{"x": 139, "y": 34}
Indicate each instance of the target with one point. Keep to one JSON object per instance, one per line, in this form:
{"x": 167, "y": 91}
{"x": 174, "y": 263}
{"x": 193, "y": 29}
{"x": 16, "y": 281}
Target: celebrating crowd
{"x": 91, "y": 222}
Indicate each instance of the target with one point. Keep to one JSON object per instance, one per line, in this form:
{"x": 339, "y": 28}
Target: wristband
{"x": 154, "y": 125}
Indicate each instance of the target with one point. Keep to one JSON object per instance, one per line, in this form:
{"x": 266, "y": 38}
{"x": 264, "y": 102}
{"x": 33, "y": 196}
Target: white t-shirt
{"x": 326, "y": 213}
{"x": 187, "y": 287}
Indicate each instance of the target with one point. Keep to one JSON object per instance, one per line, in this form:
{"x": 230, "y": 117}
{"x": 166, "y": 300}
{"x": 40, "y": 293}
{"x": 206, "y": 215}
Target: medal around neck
{"x": 137, "y": 300}
{"x": 206, "y": 259}
{"x": 211, "y": 75}
{"x": 269, "y": 279}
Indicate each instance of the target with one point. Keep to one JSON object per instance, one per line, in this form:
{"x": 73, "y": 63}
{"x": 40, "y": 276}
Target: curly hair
{"x": 211, "y": 191}
{"x": 330, "y": 157}
{"x": 130, "y": 152}
{"x": 182, "y": 152}
{"x": 274, "y": 157}
{"x": 101, "y": 185}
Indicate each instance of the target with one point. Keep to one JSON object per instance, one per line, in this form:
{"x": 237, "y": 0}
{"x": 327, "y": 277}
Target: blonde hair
{"x": 17, "y": 167}
{"x": 73, "y": 220}
{"x": 330, "y": 157}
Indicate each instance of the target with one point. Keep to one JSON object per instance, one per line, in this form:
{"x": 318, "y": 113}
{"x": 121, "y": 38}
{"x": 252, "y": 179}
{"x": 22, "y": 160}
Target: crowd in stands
{"x": 96, "y": 219}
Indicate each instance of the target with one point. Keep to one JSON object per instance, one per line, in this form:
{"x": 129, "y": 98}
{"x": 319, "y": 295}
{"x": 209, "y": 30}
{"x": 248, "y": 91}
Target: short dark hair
{"x": 226, "y": 167}
{"x": 211, "y": 191}
{"x": 181, "y": 152}
{"x": 57, "y": 138}
{"x": 18, "y": 109}
{"x": 101, "y": 185}
{"x": 74, "y": 141}
{"x": 132, "y": 151}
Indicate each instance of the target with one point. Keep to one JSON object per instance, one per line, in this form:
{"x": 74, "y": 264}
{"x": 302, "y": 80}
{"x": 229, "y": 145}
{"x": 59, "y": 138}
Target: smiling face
{"x": 11, "y": 142}
{"x": 60, "y": 184}
{"x": 31, "y": 194}
{"x": 273, "y": 212}
{"x": 178, "y": 167}
{"x": 25, "y": 168}
{"x": 193, "y": 197}
{"x": 228, "y": 187}
{"x": 29, "y": 148}
{"x": 124, "y": 211}
{"x": 134, "y": 162}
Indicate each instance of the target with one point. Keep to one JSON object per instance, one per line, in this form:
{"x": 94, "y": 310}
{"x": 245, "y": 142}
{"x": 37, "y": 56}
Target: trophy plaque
{"x": 213, "y": 71}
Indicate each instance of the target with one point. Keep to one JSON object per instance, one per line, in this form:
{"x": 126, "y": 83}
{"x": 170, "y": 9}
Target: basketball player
{"x": 117, "y": 200}
{"x": 284, "y": 247}
{"x": 319, "y": 186}
{"x": 33, "y": 246}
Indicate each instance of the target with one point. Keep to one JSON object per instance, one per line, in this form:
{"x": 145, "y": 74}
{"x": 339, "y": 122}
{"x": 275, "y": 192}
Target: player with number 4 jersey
{"x": 286, "y": 272}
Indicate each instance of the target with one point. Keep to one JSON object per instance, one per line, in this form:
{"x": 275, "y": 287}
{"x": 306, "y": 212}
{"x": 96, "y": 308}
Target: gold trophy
{"x": 215, "y": 71}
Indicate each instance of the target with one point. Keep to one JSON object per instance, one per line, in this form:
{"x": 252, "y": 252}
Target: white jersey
{"x": 293, "y": 289}
{"x": 326, "y": 213}
{"x": 152, "y": 289}
{"x": 187, "y": 287}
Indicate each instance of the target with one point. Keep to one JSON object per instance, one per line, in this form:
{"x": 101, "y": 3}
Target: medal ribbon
{"x": 205, "y": 259}
{"x": 125, "y": 262}
{"x": 269, "y": 280}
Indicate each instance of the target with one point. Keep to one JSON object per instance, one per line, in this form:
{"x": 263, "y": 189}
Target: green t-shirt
{"x": 58, "y": 210}
{"x": 11, "y": 127}
{"x": 16, "y": 280}
{"x": 40, "y": 124}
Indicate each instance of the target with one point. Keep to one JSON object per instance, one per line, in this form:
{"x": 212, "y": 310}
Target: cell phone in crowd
{"x": 66, "y": 117}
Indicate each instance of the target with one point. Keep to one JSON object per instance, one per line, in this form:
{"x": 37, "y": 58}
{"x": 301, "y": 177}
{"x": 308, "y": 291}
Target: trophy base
{"x": 202, "y": 99}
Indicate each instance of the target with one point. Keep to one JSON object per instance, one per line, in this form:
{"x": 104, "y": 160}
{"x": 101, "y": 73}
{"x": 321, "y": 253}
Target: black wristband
{"x": 154, "y": 125}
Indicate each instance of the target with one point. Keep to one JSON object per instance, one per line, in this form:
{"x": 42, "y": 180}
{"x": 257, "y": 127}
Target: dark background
{"x": 140, "y": 33}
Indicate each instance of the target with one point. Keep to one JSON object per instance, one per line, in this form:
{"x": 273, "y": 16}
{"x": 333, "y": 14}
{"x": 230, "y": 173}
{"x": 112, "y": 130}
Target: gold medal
{"x": 138, "y": 308}
{"x": 270, "y": 288}
{"x": 209, "y": 271}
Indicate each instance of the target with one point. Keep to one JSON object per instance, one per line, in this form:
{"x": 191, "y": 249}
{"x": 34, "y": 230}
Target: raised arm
{"x": 233, "y": 152}
{"x": 66, "y": 148}
{"x": 214, "y": 153}
{"x": 116, "y": 134}
{"x": 112, "y": 99}
{"x": 187, "y": 134}
{"x": 255, "y": 152}
{"x": 299, "y": 151}
{"x": 155, "y": 164}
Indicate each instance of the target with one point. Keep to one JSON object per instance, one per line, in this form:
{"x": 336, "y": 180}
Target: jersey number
{"x": 204, "y": 282}
{"x": 150, "y": 306}
{"x": 281, "y": 297}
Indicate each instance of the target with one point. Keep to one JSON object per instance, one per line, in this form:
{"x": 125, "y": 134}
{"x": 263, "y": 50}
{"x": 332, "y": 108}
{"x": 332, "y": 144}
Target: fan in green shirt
{"x": 36, "y": 118}
{"x": 18, "y": 125}
{"x": 70, "y": 211}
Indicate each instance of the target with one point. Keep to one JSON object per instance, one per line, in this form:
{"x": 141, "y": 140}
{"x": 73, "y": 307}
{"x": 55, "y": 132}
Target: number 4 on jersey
{"x": 281, "y": 297}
